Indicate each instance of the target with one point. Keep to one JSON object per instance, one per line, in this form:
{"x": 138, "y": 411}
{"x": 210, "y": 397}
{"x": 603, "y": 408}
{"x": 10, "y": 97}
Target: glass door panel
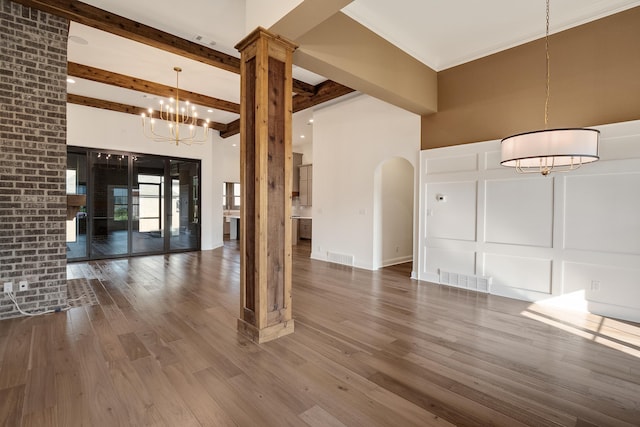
{"x": 147, "y": 204}
{"x": 134, "y": 204}
{"x": 184, "y": 207}
{"x": 77, "y": 215}
{"x": 110, "y": 205}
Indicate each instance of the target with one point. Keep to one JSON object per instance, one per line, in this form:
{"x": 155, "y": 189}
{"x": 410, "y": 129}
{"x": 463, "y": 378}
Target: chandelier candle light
{"x": 179, "y": 117}
{"x": 550, "y": 150}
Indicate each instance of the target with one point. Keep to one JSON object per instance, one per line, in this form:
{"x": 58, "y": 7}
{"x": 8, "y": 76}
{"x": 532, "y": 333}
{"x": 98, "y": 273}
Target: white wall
{"x": 96, "y": 128}
{"x": 350, "y": 140}
{"x": 569, "y": 238}
{"x": 227, "y": 158}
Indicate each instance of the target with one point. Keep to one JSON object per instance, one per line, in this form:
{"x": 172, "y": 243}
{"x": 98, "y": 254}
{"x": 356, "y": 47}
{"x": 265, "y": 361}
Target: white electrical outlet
{"x": 8, "y": 287}
{"x": 24, "y": 285}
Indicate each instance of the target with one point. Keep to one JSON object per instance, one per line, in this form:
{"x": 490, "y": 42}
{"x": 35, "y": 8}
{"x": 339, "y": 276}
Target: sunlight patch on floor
{"x": 619, "y": 335}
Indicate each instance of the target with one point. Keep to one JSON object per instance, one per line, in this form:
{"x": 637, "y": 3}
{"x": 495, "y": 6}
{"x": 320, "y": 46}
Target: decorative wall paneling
{"x": 571, "y": 237}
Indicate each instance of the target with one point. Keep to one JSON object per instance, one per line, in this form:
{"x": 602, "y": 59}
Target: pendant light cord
{"x": 548, "y": 83}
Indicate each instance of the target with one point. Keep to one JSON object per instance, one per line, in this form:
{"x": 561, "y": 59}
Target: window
{"x": 147, "y": 206}
{"x": 236, "y": 195}
{"x": 120, "y": 204}
{"x": 72, "y": 181}
{"x": 231, "y": 195}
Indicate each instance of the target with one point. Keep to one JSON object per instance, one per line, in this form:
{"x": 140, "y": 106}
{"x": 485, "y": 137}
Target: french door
{"x": 136, "y": 204}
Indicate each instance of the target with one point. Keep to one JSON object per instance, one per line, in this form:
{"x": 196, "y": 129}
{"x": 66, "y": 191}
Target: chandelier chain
{"x": 548, "y": 72}
{"x": 549, "y": 150}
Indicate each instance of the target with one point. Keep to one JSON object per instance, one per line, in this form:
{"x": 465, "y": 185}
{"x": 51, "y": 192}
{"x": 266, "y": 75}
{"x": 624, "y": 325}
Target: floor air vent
{"x": 466, "y": 281}
{"x": 340, "y": 258}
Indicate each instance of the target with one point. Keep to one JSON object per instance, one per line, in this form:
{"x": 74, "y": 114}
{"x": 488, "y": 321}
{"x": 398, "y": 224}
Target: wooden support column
{"x": 266, "y": 181}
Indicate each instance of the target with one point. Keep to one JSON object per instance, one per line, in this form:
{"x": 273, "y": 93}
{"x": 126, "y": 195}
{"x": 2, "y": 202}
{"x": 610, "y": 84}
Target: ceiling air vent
{"x": 204, "y": 40}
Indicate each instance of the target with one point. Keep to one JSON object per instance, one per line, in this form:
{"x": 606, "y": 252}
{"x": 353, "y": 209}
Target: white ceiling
{"x": 221, "y": 21}
{"x": 442, "y": 34}
{"x": 439, "y": 33}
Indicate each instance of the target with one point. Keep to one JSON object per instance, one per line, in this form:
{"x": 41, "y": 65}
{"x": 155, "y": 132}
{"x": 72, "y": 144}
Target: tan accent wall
{"x": 595, "y": 79}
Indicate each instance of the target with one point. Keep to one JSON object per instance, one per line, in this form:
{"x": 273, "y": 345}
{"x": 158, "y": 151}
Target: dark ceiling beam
{"x": 115, "y": 24}
{"x": 106, "y": 21}
{"x": 128, "y": 82}
{"x": 302, "y": 88}
{"x": 325, "y": 91}
{"x": 233, "y": 128}
{"x": 129, "y": 109}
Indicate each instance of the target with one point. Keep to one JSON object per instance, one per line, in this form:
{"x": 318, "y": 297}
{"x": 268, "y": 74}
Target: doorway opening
{"x": 393, "y": 214}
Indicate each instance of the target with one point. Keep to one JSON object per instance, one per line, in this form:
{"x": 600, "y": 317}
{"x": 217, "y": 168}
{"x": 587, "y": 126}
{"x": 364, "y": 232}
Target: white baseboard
{"x": 319, "y": 256}
{"x": 615, "y": 311}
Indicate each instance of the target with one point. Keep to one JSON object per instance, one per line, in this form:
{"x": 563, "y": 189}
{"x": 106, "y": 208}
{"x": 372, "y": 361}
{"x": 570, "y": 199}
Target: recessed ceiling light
{"x": 302, "y": 136}
{"x": 234, "y": 145}
{"x": 70, "y": 80}
{"x": 310, "y": 121}
{"x": 209, "y": 110}
{"x": 78, "y": 40}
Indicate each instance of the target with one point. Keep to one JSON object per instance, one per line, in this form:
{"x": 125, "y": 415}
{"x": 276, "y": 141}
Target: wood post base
{"x": 267, "y": 334}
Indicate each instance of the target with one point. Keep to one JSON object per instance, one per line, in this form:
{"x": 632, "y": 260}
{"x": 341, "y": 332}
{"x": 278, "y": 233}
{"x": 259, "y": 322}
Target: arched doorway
{"x": 393, "y": 212}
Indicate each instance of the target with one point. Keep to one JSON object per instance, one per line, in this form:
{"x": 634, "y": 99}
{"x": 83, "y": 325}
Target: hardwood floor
{"x": 369, "y": 349}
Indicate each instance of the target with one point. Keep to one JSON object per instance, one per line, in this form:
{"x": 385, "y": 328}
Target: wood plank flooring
{"x": 369, "y": 349}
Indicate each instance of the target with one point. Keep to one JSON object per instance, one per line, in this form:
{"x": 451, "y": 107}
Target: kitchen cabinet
{"x": 306, "y": 185}
{"x": 295, "y": 226}
{"x": 305, "y": 228}
{"x": 295, "y": 171}
{"x": 232, "y": 224}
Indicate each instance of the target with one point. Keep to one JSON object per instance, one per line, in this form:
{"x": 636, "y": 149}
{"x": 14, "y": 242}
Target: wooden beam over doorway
{"x": 325, "y": 91}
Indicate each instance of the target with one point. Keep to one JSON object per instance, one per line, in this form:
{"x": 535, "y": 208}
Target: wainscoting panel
{"x": 530, "y": 274}
{"x": 602, "y": 214}
{"x": 451, "y": 210}
{"x": 463, "y": 262}
{"x": 492, "y": 160}
{"x": 604, "y": 283}
{"x": 453, "y": 164}
{"x": 519, "y": 211}
{"x": 568, "y": 238}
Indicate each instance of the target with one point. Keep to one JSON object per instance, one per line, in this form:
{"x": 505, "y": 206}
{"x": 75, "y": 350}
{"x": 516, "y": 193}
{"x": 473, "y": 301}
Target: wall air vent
{"x": 340, "y": 258}
{"x": 466, "y": 281}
